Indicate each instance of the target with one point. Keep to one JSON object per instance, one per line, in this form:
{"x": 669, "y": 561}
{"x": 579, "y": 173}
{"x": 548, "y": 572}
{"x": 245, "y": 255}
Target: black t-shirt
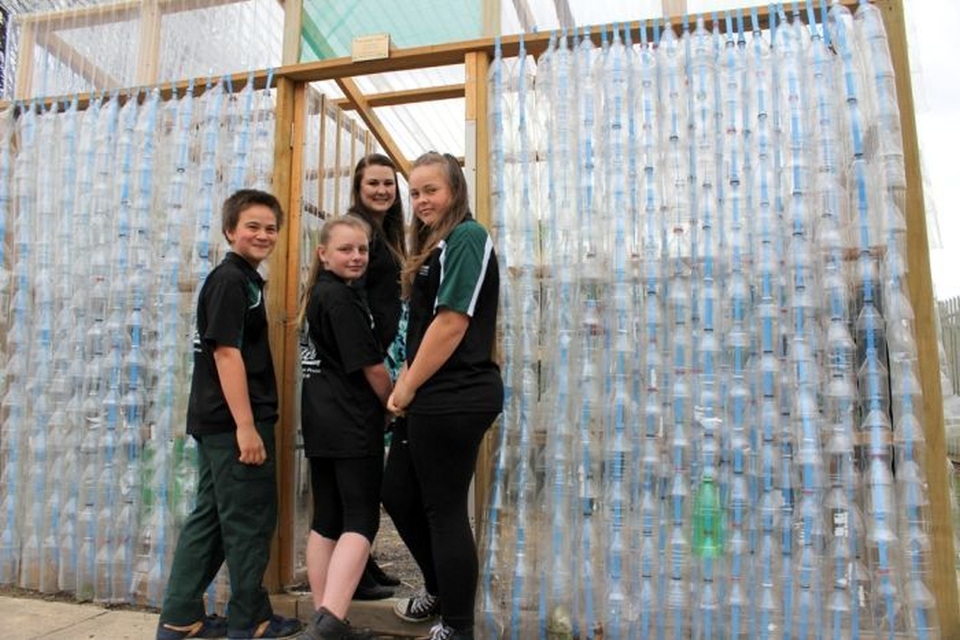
{"x": 341, "y": 416}
{"x": 231, "y": 312}
{"x": 461, "y": 275}
{"x": 381, "y": 284}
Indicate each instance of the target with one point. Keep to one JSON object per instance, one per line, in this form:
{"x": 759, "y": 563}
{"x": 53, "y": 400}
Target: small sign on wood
{"x": 372, "y": 47}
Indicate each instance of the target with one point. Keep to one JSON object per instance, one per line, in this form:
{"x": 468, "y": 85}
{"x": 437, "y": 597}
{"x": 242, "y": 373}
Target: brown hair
{"x": 424, "y": 239}
{"x": 316, "y": 266}
{"x": 242, "y": 200}
{"x": 392, "y": 226}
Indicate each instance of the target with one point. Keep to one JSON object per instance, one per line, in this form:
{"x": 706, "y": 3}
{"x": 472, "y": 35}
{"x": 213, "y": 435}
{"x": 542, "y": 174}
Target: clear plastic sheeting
{"x": 114, "y": 215}
{"x": 58, "y": 49}
{"x": 712, "y": 425}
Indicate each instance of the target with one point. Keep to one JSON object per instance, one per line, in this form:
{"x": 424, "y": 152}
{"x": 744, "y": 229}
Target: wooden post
{"x": 338, "y": 150}
{"x": 292, "y": 23}
{"x": 25, "y": 60}
{"x": 148, "y": 53}
{"x": 943, "y": 581}
{"x": 322, "y": 159}
{"x": 490, "y": 17}
{"x": 672, "y": 8}
{"x": 354, "y": 143}
{"x": 284, "y": 275}
{"x": 477, "y": 172}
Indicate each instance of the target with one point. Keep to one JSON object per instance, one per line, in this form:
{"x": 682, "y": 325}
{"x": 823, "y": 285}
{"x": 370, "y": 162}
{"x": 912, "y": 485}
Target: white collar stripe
{"x": 487, "y": 250}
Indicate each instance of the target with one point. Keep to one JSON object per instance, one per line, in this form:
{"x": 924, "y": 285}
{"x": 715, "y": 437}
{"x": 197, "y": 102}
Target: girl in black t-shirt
{"x": 375, "y": 198}
{"x": 345, "y": 386}
{"x": 450, "y": 391}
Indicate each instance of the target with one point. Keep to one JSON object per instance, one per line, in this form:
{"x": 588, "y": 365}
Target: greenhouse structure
{"x": 723, "y": 413}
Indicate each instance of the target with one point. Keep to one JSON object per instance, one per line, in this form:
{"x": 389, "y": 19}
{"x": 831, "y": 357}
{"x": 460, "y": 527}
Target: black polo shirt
{"x": 231, "y": 311}
{"x": 381, "y": 283}
{"x": 461, "y": 275}
{"x": 341, "y": 416}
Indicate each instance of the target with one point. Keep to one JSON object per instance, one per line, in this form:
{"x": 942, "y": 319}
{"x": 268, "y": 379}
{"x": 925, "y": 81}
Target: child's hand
{"x": 251, "y": 446}
{"x": 401, "y": 398}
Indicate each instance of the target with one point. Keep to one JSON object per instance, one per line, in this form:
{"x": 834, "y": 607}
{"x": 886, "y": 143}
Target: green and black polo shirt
{"x": 461, "y": 274}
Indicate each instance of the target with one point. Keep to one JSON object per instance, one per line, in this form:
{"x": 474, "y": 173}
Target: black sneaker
{"x": 442, "y": 631}
{"x": 419, "y": 608}
{"x": 326, "y": 626}
{"x": 381, "y": 576}
{"x": 369, "y": 589}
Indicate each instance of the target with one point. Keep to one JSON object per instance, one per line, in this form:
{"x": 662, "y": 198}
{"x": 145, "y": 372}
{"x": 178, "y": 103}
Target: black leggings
{"x": 346, "y": 495}
{"x": 425, "y": 492}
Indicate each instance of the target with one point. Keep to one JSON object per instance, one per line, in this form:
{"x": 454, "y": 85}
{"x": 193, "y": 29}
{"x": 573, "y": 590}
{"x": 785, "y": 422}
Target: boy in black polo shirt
{"x": 231, "y": 413}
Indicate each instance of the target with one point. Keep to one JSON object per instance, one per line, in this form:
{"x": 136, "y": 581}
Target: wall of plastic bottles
{"x": 713, "y": 415}
{"x": 62, "y": 47}
{"x": 112, "y": 217}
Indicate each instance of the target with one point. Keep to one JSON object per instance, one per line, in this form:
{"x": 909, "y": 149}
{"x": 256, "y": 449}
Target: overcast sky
{"x": 934, "y": 57}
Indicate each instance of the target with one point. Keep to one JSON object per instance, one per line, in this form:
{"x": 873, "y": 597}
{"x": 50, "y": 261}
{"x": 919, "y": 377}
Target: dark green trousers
{"x": 233, "y": 521}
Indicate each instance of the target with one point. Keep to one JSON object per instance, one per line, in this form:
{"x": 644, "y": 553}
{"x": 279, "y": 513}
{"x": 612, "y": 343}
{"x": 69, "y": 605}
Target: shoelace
{"x": 440, "y": 631}
{"x": 423, "y": 604}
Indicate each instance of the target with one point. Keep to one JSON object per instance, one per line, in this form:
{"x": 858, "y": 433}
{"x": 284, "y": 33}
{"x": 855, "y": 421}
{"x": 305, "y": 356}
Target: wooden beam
{"x": 337, "y": 155}
{"x": 148, "y": 53}
{"x": 239, "y": 81}
{"x": 406, "y": 96}
{"x": 673, "y": 7}
{"x": 284, "y": 270}
{"x": 565, "y": 15}
{"x": 321, "y": 152}
{"x": 100, "y": 14}
{"x": 490, "y": 17}
{"x": 353, "y": 146}
{"x": 24, "y": 86}
{"x": 453, "y": 53}
{"x": 943, "y": 577}
{"x": 292, "y": 21}
{"x": 524, "y": 15}
{"x": 350, "y": 89}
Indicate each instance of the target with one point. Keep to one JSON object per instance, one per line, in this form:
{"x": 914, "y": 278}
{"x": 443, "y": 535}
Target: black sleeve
{"x": 226, "y": 306}
{"x": 356, "y": 342}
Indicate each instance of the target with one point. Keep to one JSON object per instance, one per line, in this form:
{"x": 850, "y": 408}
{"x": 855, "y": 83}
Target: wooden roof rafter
{"x": 373, "y": 122}
{"x": 564, "y": 15}
{"x": 525, "y": 15}
{"x": 407, "y": 96}
{"x": 101, "y": 14}
{"x": 74, "y": 60}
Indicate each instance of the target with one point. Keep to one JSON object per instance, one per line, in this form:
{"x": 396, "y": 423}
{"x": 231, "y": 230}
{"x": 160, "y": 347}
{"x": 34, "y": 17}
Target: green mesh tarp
{"x": 329, "y": 26}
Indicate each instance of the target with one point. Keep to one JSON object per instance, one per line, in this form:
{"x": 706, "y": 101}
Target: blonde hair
{"x": 424, "y": 239}
{"x": 317, "y": 266}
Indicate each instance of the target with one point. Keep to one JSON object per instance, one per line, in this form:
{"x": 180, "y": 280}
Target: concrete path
{"x": 28, "y": 618}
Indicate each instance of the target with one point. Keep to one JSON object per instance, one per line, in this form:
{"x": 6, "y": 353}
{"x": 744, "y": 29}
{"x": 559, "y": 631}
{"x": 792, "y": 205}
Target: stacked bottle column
{"x": 97, "y": 351}
{"x": 722, "y": 235}
{"x": 490, "y": 614}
